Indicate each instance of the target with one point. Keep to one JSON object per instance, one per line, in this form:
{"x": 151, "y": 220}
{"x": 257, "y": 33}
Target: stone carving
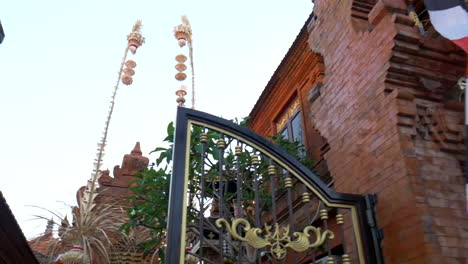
{"x": 435, "y": 125}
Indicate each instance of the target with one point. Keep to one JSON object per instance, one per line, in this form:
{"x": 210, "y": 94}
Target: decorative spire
{"x": 183, "y": 34}
{"x": 135, "y": 40}
{"x": 136, "y": 150}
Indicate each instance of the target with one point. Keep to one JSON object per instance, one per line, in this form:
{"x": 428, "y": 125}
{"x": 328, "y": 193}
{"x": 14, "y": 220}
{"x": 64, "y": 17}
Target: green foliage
{"x": 296, "y": 149}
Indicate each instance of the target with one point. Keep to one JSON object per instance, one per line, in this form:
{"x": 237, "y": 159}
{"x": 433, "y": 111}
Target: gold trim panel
{"x": 277, "y": 238}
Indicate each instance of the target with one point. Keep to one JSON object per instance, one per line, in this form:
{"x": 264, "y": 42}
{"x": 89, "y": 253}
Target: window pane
{"x": 284, "y": 133}
{"x": 296, "y": 127}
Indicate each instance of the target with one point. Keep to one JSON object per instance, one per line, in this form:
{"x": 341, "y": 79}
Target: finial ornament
{"x": 339, "y": 219}
{"x": 255, "y": 160}
{"x": 324, "y": 214}
{"x": 346, "y": 259}
{"x": 288, "y": 182}
{"x": 204, "y": 138}
{"x": 238, "y": 150}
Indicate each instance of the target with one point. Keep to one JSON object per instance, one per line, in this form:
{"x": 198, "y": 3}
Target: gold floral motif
{"x": 277, "y": 240}
{"x": 287, "y": 114}
{"x": 281, "y": 122}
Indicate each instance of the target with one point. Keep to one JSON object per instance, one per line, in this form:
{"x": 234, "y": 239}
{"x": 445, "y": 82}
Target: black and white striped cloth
{"x": 449, "y": 17}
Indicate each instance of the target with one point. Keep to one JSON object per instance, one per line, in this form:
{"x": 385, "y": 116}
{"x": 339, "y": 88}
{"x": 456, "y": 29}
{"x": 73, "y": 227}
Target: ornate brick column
{"x": 394, "y": 126}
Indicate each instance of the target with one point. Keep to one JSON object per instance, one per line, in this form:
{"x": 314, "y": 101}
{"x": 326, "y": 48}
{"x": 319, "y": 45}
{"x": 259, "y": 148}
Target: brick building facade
{"x": 380, "y": 114}
{"x": 116, "y": 189}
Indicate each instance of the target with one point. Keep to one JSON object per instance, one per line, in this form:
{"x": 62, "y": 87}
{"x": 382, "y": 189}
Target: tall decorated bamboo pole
{"x": 82, "y": 232}
{"x": 183, "y": 34}
{"x": 90, "y": 225}
{"x": 135, "y": 40}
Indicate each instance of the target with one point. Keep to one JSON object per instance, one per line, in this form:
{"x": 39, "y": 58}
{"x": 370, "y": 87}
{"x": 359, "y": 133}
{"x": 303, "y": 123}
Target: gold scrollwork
{"x": 278, "y": 240}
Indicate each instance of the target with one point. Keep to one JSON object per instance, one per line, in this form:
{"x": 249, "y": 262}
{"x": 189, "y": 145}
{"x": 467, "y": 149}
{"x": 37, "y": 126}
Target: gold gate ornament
{"x": 279, "y": 240}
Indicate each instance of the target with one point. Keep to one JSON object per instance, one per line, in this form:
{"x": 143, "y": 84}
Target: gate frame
{"x": 362, "y": 211}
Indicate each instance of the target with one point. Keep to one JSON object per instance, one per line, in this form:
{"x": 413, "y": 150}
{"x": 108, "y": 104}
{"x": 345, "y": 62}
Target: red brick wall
{"x": 298, "y": 73}
{"x": 384, "y": 86}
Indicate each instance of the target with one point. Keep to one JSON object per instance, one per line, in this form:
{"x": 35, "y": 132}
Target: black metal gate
{"x": 237, "y": 198}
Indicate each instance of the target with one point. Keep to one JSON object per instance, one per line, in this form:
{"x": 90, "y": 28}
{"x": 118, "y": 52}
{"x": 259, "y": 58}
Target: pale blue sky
{"x": 59, "y": 63}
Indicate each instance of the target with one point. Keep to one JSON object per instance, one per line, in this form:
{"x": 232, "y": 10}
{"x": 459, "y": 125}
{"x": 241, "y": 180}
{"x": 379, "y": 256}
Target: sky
{"x": 59, "y": 62}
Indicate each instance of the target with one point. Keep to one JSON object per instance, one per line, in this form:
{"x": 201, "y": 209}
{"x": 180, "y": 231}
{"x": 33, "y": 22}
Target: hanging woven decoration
{"x": 181, "y": 58}
{"x": 128, "y": 72}
{"x": 127, "y": 79}
{"x": 180, "y": 76}
{"x": 183, "y": 35}
{"x": 180, "y": 67}
{"x": 135, "y": 39}
{"x": 130, "y": 64}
